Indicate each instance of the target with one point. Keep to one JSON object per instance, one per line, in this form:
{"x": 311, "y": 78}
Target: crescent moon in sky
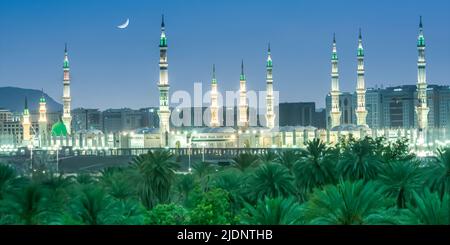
{"x": 124, "y": 25}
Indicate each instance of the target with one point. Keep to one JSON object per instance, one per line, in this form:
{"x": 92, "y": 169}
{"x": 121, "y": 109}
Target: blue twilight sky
{"x": 113, "y": 68}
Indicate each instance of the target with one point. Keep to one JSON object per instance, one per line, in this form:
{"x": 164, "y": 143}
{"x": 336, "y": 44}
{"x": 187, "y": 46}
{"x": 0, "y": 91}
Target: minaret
{"x": 66, "y": 117}
{"x": 335, "y": 113}
{"x": 243, "y": 106}
{"x": 422, "y": 108}
{"x": 26, "y": 123}
{"x": 270, "y": 115}
{"x": 214, "y": 105}
{"x": 43, "y": 131}
{"x": 361, "y": 113}
{"x": 164, "y": 110}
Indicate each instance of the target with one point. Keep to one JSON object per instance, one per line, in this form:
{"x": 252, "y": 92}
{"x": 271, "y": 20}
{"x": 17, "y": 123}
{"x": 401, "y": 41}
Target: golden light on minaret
{"x": 243, "y": 106}
{"x": 361, "y": 112}
{"x": 66, "y": 117}
{"x": 335, "y": 113}
{"x": 270, "y": 114}
{"x": 26, "y": 124}
{"x": 164, "y": 110}
{"x": 214, "y": 103}
{"x": 43, "y": 124}
{"x": 422, "y": 107}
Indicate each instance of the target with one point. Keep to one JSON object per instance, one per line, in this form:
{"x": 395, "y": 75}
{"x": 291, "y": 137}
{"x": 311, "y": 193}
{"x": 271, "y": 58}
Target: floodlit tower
{"x": 243, "y": 106}
{"x": 164, "y": 110}
{"x": 26, "y": 123}
{"x": 335, "y": 113}
{"x": 270, "y": 115}
{"x": 43, "y": 132}
{"x": 66, "y": 117}
{"x": 421, "y": 108}
{"x": 214, "y": 103}
{"x": 361, "y": 112}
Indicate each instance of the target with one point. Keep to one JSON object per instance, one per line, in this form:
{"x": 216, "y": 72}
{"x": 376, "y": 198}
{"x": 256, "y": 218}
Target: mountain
{"x": 13, "y": 98}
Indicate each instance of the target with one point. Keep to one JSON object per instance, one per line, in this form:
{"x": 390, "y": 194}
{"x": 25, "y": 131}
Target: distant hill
{"x": 13, "y": 98}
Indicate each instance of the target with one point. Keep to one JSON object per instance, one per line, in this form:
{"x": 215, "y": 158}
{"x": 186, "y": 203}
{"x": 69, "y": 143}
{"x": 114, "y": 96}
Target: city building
{"x": 86, "y": 119}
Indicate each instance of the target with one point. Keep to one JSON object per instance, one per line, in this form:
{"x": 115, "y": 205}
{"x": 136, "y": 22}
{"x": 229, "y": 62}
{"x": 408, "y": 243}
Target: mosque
{"x": 242, "y": 135}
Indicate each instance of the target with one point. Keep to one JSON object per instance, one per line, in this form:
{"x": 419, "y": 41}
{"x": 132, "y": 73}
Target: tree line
{"x": 363, "y": 182}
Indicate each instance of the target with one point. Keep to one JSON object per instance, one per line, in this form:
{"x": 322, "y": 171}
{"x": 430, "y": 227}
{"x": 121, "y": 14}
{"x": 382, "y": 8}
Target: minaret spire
{"x": 242, "y": 70}
{"x": 66, "y": 117}
{"x": 243, "y": 107}
{"x": 335, "y": 113}
{"x": 163, "y": 85}
{"x": 43, "y": 127}
{"x": 270, "y": 115}
{"x": 361, "y": 113}
{"x": 26, "y": 124}
{"x": 422, "y": 107}
{"x": 214, "y": 102}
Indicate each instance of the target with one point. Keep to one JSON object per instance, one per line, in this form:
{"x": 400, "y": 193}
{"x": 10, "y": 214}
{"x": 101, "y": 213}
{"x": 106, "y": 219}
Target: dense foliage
{"x": 368, "y": 181}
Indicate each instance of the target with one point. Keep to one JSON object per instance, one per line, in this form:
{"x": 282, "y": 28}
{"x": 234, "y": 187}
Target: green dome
{"x": 42, "y": 99}
{"x": 59, "y": 129}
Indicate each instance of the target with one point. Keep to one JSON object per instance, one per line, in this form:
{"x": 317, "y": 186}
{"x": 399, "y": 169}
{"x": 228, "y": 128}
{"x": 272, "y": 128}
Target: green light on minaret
{"x": 421, "y": 39}
{"x": 163, "y": 40}
{"x": 66, "y": 60}
{"x": 242, "y": 71}
{"x": 360, "y": 52}
{"x": 269, "y": 58}
{"x": 360, "y": 48}
{"x": 42, "y": 99}
{"x": 334, "y": 55}
{"x": 214, "y": 81}
{"x": 25, "y": 110}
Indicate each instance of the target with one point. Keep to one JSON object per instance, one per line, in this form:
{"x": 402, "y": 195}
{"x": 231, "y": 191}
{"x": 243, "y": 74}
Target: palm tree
{"x": 7, "y": 179}
{"x": 396, "y": 151}
{"x": 438, "y": 173}
{"x": 401, "y": 179}
{"x": 153, "y": 174}
{"x": 271, "y": 180}
{"x": 273, "y": 211}
{"x": 59, "y": 189}
{"x": 288, "y": 158}
{"x": 234, "y": 182}
{"x": 359, "y": 161}
{"x": 129, "y": 212}
{"x": 185, "y": 185}
{"x": 350, "y": 203}
{"x": 85, "y": 178}
{"x": 93, "y": 206}
{"x": 203, "y": 170}
{"x": 430, "y": 209}
{"x": 268, "y": 156}
{"x": 315, "y": 167}
{"x": 245, "y": 161}
{"x": 27, "y": 206}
